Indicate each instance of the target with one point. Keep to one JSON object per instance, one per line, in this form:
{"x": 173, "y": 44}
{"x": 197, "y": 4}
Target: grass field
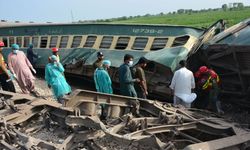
{"x": 201, "y": 19}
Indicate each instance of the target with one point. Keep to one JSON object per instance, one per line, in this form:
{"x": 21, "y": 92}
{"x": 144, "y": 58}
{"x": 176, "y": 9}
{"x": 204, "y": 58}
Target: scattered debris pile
{"x": 91, "y": 120}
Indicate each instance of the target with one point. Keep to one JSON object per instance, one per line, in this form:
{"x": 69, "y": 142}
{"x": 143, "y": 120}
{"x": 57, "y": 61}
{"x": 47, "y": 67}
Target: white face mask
{"x": 130, "y": 63}
{"x": 15, "y": 51}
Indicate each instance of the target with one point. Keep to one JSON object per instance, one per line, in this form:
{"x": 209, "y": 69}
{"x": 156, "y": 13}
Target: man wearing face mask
{"x": 21, "y": 68}
{"x": 125, "y": 77}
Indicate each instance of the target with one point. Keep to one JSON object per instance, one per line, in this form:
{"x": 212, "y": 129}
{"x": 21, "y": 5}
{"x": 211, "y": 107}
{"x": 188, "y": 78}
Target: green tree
{"x": 224, "y": 7}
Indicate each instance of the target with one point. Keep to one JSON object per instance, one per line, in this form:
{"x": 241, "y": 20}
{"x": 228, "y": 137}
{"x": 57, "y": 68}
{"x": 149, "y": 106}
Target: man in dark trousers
{"x": 125, "y": 77}
{"x": 31, "y": 55}
{"x": 141, "y": 87}
{"x": 208, "y": 87}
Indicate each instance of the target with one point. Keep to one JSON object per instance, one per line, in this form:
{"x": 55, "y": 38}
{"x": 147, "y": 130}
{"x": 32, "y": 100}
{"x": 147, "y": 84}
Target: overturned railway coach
{"x": 228, "y": 53}
{"x": 164, "y": 46}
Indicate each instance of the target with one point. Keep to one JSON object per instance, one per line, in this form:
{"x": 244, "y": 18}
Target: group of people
{"x": 20, "y": 68}
{"x": 184, "y": 85}
{"x": 205, "y": 82}
{"x": 132, "y": 83}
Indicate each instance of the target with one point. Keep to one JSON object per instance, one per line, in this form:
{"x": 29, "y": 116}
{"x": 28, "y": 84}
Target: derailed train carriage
{"x": 228, "y": 53}
{"x": 164, "y": 46}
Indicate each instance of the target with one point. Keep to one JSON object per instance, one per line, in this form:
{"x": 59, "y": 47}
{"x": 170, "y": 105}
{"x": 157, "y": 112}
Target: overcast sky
{"x": 60, "y": 10}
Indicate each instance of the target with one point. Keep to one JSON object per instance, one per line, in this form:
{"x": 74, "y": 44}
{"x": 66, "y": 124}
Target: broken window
{"x": 26, "y": 41}
{"x": 106, "y": 42}
{"x": 90, "y": 41}
{"x": 179, "y": 41}
{"x": 140, "y": 43}
{"x": 19, "y": 41}
{"x": 159, "y": 43}
{"x": 122, "y": 43}
{"x": 64, "y": 42}
{"x": 35, "y": 42}
{"x": 53, "y": 41}
{"x": 76, "y": 41}
{"x": 44, "y": 41}
{"x": 5, "y": 41}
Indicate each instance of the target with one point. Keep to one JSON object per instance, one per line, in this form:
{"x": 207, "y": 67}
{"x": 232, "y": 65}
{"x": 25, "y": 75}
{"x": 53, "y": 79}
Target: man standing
{"x": 55, "y": 79}
{"x": 5, "y": 74}
{"x": 98, "y": 62}
{"x": 31, "y": 55}
{"x": 20, "y": 67}
{"x": 182, "y": 84}
{"x": 208, "y": 87}
{"x": 125, "y": 77}
{"x": 102, "y": 80}
{"x": 141, "y": 87}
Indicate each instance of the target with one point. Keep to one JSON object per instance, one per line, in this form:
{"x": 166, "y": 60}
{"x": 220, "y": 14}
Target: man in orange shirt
{"x": 5, "y": 76}
{"x": 208, "y": 84}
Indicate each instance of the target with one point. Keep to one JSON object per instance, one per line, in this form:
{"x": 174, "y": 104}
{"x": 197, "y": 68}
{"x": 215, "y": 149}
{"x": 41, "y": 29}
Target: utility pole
{"x": 72, "y": 17}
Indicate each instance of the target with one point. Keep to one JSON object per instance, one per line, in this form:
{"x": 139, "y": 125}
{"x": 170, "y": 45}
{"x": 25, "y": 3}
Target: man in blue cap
{"x": 21, "y": 68}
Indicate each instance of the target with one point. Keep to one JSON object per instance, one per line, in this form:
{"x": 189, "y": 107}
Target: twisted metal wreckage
{"x": 151, "y": 125}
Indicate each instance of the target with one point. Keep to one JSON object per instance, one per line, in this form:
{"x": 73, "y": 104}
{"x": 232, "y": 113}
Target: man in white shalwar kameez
{"x": 182, "y": 85}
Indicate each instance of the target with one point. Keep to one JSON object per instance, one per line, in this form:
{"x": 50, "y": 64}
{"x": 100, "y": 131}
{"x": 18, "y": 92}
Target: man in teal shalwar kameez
{"x": 103, "y": 82}
{"x": 55, "y": 79}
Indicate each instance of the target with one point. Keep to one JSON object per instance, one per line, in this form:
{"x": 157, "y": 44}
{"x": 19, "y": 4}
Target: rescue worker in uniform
{"x": 5, "y": 75}
{"x": 98, "y": 62}
{"x": 55, "y": 52}
{"x": 208, "y": 88}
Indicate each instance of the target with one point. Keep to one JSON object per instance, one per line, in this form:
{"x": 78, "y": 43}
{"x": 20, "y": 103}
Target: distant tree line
{"x": 224, "y": 7}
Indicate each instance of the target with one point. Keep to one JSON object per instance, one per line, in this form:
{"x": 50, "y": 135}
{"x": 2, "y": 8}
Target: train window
{"x": 53, "y": 41}
{"x": 76, "y": 41}
{"x": 90, "y": 41}
{"x": 122, "y": 43}
{"x": 64, "y": 42}
{"x": 5, "y": 41}
{"x": 19, "y": 41}
{"x": 35, "y": 42}
{"x": 140, "y": 43}
{"x": 159, "y": 43}
{"x": 12, "y": 40}
{"x": 179, "y": 41}
{"x": 26, "y": 41}
{"x": 106, "y": 42}
{"x": 44, "y": 41}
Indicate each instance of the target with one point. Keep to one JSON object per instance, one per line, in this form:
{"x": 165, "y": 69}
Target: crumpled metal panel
{"x": 129, "y": 124}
